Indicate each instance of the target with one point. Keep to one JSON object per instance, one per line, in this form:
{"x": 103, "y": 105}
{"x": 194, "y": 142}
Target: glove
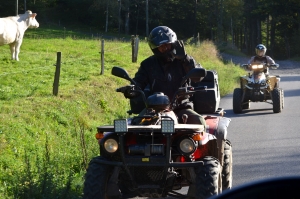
{"x": 130, "y": 93}
{"x": 179, "y": 51}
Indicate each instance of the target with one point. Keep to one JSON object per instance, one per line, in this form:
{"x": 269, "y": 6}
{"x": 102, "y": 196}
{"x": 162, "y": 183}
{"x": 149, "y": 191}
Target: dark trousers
{"x": 193, "y": 116}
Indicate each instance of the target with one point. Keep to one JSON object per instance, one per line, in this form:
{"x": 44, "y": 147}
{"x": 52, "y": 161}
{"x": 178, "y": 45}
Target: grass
{"x": 46, "y": 141}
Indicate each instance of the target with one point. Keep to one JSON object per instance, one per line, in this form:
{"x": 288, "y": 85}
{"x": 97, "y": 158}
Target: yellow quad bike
{"x": 258, "y": 87}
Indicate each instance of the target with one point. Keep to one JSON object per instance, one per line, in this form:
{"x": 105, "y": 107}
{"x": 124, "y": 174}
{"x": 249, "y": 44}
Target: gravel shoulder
{"x": 285, "y": 66}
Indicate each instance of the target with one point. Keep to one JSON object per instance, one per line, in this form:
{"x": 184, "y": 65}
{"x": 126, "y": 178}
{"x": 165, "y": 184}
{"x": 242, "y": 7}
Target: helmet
{"x": 158, "y": 101}
{"x": 159, "y": 36}
{"x": 260, "y": 50}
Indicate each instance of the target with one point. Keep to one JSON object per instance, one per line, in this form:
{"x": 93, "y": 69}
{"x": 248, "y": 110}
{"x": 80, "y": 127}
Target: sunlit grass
{"x": 46, "y": 141}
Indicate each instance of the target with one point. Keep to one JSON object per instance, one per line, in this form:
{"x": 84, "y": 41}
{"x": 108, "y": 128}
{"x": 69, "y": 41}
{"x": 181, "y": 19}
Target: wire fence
{"x": 67, "y": 59}
{"x": 26, "y": 71}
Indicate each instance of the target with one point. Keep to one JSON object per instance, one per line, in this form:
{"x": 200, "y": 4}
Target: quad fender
{"x": 243, "y": 81}
{"x": 218, "y": 127}
{"x": 273, "y": 82}
{"x": 221, "y": 132}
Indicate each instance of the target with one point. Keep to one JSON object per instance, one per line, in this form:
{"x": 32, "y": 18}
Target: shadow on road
{"x": 249, "y": 113}
{"x": 289, "y": 78}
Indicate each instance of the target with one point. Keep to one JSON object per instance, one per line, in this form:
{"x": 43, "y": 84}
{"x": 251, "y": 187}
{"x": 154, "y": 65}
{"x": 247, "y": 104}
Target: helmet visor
{"x": 164, "y": 47}
{"x": 260, "y": 52}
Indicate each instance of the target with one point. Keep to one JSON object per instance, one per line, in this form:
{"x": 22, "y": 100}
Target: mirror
{"x": 245, "y": 66}
{"x": 194, "y": 73}
{"x": 120, "y": 72}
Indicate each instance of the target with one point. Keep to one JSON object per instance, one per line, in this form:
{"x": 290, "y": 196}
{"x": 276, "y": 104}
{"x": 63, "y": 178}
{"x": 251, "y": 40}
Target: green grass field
{"x": 46, "y": 141}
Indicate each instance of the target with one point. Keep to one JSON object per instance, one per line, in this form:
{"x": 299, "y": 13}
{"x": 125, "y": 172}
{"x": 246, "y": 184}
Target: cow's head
{"x": 31, "y": 21}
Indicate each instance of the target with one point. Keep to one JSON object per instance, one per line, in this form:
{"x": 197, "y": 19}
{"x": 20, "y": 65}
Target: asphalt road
{"x": 266, "y": 144}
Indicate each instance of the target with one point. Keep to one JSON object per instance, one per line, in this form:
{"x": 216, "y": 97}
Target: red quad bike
{"x": 258, "y": 87}
{"x": 154, "y": 156}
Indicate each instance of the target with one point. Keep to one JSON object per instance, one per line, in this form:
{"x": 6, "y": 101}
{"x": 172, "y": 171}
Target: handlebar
{"x": 122, "y": 89}
{"x": 191, "y": 89}
{"x": 200, "y": 88}
{"x": 254, "y": 66}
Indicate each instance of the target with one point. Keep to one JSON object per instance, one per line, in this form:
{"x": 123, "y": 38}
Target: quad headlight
{"x": 187, "y": 145}
{"x": 111, "y": 145}
{"x": 257, "y": 66}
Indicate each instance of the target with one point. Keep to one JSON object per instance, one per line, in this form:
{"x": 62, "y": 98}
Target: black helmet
{"x": 158, "y": 101}
{"x": 260, "y": 50}
{"x": 161, "y": 35}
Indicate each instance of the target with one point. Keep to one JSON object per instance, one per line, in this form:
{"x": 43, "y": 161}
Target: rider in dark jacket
{"x": 163, "y": 71}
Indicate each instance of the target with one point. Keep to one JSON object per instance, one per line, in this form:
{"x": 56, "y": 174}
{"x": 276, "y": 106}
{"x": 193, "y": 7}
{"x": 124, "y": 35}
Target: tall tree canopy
{"x": 242, "y": 23}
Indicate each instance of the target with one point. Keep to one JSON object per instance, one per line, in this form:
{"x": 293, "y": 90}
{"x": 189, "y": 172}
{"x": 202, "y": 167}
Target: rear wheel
{"x": 207, "y": 178}
{"x": 237, "y": 100}
{"x": 227, "y": 166}
{"x": 277, "y": 100}
{"x": 96, "y": 179}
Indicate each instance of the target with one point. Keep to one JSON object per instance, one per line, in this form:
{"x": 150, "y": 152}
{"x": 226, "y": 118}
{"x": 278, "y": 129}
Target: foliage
{"x": 46, "y": 141}
{"x": 244, "y": 23}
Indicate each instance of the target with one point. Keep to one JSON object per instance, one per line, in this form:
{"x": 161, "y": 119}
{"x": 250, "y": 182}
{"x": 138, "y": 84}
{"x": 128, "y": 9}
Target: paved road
{"x": 266, "y": 144}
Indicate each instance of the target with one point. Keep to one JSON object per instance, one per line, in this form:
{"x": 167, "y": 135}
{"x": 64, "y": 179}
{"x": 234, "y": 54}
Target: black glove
{"x": 130, "y": 93}
{"x": 179, "y": 51}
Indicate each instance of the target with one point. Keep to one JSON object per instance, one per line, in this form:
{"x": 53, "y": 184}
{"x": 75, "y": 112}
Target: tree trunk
{"x": 137, "y": 20}
{"x": 287, "y": 46}
{"x": 195, "y": 19}
{"x": 219, "y": 14}
{"x": 120, "y": 3}
{"x": 231, "y": 27}
{"x": 272, "y": 36}
{"x": 268, "y": 32}
{"x": 106, "y": 21}
{"x": 17, "y": 7}
{"x": 258, "y": 23}
{"x": 147, "y": 26}
{"x": 127, "y": 22}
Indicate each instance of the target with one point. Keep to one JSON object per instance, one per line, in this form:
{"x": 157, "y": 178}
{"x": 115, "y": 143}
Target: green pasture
{"x": 46, "y": 141}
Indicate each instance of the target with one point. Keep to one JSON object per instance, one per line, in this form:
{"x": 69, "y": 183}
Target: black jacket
{"x": 164, "y": 77}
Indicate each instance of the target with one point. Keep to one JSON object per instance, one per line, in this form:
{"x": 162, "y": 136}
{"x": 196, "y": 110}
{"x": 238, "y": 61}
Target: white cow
{"x": 12, "y": 30}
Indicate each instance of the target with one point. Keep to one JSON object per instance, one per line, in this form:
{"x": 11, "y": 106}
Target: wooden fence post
{"x": 57, "y": 74}
{"x": 198, "y": 39}
{"x": 136, "y": 49}
{"x": 132, "y": 48}
{"x": 102, "y": 57}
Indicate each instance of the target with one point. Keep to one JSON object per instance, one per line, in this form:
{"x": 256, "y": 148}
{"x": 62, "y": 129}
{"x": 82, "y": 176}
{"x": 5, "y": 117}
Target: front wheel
{"x": 207, "y": 178}
{"x": 237, "y": 100}
{"x": 96, "y": 179}
{"x": 277, "y": 100}
{"x": 282, "y": 97}
{"x": 227, "y": 166}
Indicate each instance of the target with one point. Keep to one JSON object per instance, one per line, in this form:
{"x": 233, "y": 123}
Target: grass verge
{"x": 47, "y": 141}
